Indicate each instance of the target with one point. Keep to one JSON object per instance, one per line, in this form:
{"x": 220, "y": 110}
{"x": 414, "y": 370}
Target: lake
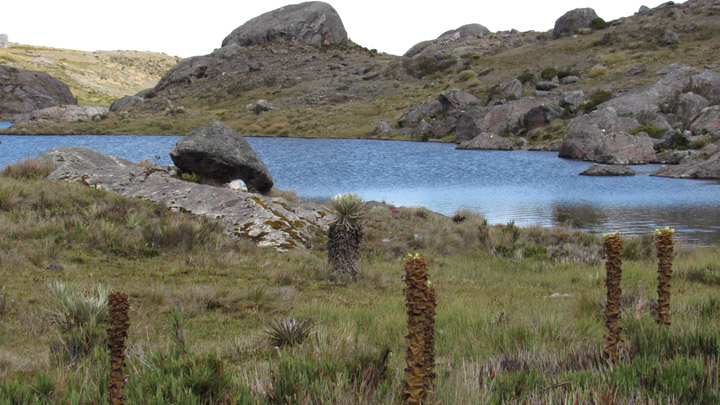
{"x": 522, "y": 186}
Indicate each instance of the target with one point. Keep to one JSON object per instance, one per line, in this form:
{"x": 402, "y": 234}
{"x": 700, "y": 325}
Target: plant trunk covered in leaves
{"x": 430, "y": 338}
{"x": 416, "y": 301}
{"x": 613, "y": 247}
{"x": 117, "y": 333}
{"x": 343, "y": 247}
{"x": 345, "y": 235}
{"x": 665, "y": 243}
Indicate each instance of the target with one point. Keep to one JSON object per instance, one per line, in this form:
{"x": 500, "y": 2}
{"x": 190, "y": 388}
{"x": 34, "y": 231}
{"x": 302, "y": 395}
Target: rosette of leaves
{"x": 665, "y": 244}
{"x": 613, "y": 247}
{"x": 289, "y": 331}
{"x": 345, "y": 234}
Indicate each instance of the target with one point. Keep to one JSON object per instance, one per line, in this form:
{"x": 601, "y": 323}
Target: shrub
{"x": 599, "y": 24}
{"x": 652, "y": 130}
{"x": 548, "y": 73}
{"x": 596, "y": 99}
{"x": 30, "y": 169}
{"x": 597, "y": 71}
{"x": 526, "y": 77}
{"x": 465, "y": 75}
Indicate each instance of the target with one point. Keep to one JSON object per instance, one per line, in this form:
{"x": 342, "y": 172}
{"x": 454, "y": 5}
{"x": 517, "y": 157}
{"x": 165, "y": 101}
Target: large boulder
{"x": 416, "y": 113}
{"x": 688, "y": 105}
{"x": 542, "y": 115}
{"x": 269, "y": 222}
{"x": 4, "y": 41}
{"x": 489, "y": 141}
{"x": 453, "y": 99}
{"x": 509, "y": 89}
{"x": 694, "y": 169}
{"x": 619, "y": 148}
{"x": 23, "y": 91}
{"x": 586, "y": 132}
{"x": 466, "y": 31}
{"x": 499, "y": 119}
{"x": 69, "y": 113}
{"x": 124, "y": 102}
{"x": 312, "y": 23}
{"x": 707, "y": 123}
{"x": 573, "y": 21}
{"x": 218, "y": 152}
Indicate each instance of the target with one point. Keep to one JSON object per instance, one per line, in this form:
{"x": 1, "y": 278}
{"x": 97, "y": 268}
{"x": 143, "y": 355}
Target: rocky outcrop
{"x": 619, "y": 148}
{"x": 466, "y": 31}
{"x": 608, "y": 170}
{"x": 124, "y": 102}
{"x": 707, "y": 123}
{"x": 269, "y": 222}
{"x": 415, "y": 114}
{"x": 693, "y": 169}
{"x": 586, "y": 132}
{"x": 23, "y": 91}
{"x": 218, "y": 152}
{"x": 573, "y": 21}
{"x": 312, "y": 23}
{"x": 499, "y": 119}
{"x": 4, "y": 41}
{"x": 69, "y": 113}
{"x": 677, "y": 80}
{"x": 490, "y": 141}
{"x": 509, "y": 89}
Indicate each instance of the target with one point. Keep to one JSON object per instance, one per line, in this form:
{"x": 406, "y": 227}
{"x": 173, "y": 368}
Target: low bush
{"x": 652, "y": 130}
{"x": 548, "y": 73}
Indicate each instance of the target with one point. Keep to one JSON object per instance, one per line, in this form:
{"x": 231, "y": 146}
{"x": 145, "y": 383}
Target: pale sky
{"x": 187, "y": 28}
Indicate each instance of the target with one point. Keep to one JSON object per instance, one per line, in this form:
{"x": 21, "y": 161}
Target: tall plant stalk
{"x": 430, "y": 339}
{"x": 416, "y": 278}
{"x": 613, "y": 247}
{"x": 117, "y": 333}
{"x": 665, "y": 244}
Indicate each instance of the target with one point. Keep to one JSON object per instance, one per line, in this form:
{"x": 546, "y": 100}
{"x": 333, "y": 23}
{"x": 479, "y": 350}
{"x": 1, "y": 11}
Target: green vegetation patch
{"x": 652, "y": 130}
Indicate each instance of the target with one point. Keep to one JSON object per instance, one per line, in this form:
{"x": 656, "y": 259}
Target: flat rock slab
{"x": 269, "y": 222}
{"x": 696, "y": 169}
{"x": 608, "y": 170}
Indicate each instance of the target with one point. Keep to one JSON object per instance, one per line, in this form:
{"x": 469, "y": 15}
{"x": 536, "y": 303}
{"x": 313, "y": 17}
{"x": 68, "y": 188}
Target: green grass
{"x": 201, "y": 303}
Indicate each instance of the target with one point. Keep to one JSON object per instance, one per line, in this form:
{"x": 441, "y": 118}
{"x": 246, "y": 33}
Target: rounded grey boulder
{"x": 573, "y": 20}
{"x": 312, "y": 23}
{"x": 24, "y": 91}
{"x": 220, "y": 153}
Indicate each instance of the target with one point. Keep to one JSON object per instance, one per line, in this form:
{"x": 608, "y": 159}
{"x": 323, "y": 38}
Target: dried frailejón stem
{"x": 613, "y": 247}
{"x": 117, "y": 333}
{"x": 664, "y": 243}
{"x": 416, "y": 302}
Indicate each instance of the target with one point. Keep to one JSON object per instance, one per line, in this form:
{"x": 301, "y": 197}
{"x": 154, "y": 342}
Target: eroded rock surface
{"x": 693, "y": 169}
{"x": 270, "y": 222}
{"x": 312, "y": 23}
{"x": 23, "y": 91}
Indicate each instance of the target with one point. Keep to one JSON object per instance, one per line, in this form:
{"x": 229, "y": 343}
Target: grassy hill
{"x": 95, "y": 78}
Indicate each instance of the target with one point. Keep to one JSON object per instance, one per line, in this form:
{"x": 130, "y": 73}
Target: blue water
{"x": 522, "y": 186}
{"x": 5, "y": 124}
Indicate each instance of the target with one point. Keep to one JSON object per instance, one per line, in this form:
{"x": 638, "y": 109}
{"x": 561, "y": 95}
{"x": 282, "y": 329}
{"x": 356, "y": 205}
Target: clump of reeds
{"x": 420, "y": 300}
{"x": 613, "y": 247}
{"x": 664, "y": 243}
{"x": 117, "y": 333}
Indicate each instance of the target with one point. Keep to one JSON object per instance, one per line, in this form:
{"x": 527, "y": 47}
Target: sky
{"x": 187, "y": 28}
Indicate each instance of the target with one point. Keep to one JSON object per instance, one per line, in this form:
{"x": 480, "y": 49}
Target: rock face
{"x": 695, "y": 169}
{"x": 24, "y": 91}
{"x": 619, "y": 148}
{"x": 466, "y": 31}
{"x": 3, "y": 41}
{"x": 573, "y": 20}
{"x": 490, "y": 141}
{"x": 218, "y": 152}
{"x": 586, "y": 132}
{"x": 269, "y": 222}
{"x": 499, "y": 119}
{"x": 608, "y": 170}
{"x": 708, "y": 122}
{"x": 69, "y": 113}
{"x": 312, "y": 23}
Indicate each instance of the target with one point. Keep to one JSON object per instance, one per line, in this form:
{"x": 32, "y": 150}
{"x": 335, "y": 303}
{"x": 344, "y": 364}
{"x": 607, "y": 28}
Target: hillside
{"x": 345, "y": 90}
{"x": 95, "y": 78}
